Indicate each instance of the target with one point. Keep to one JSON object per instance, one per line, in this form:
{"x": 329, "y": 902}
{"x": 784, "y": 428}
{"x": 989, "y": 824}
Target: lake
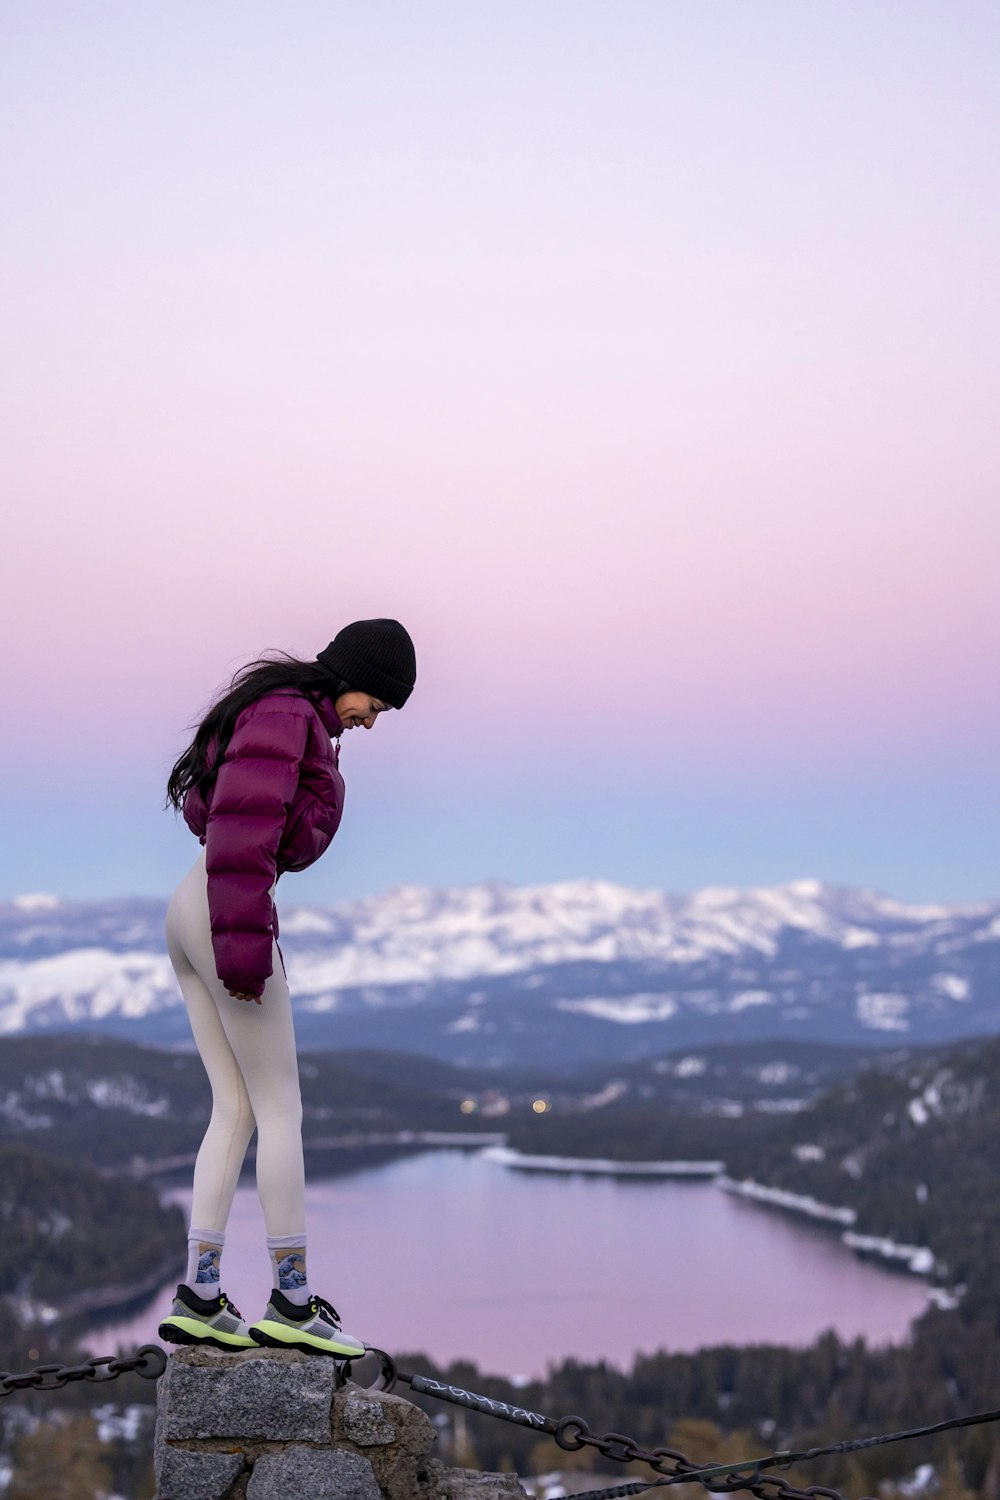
{"x": 456, "y": 1256}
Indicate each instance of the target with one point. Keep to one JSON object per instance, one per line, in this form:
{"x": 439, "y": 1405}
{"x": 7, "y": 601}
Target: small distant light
{"x": 540, "y": 1106}
{"x": 468, "y": 1106}
{"x": 32, "y": 1353}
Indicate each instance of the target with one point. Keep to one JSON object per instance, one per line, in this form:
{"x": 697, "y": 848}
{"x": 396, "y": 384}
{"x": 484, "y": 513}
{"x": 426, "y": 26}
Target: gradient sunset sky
{"x": 640, "y": 356}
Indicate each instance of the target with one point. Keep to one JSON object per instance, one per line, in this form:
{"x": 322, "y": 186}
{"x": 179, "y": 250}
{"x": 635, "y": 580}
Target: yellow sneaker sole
{"x": 178, "y": 1330}
{"x": 274, "y": 1335}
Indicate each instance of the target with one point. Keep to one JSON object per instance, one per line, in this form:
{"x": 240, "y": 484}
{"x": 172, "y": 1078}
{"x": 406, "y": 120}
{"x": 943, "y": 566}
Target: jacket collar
{"x": 332, "y": 722}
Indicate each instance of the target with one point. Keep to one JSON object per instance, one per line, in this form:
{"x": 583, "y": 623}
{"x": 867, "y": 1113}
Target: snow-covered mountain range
{"x": 499, "y": 973}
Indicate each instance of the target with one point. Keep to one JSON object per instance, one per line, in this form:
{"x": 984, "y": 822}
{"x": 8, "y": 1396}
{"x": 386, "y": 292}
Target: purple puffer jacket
{"x": 274, "y": 806}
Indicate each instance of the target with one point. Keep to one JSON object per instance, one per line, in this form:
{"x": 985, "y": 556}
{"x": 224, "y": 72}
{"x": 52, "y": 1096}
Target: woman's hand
{"x": 237, "y": 995}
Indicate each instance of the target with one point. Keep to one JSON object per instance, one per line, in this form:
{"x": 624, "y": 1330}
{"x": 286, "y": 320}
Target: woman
{"x": 261, "y": 788}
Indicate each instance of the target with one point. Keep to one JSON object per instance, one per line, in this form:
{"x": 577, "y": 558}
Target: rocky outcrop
{"x": 269, "y": 1424}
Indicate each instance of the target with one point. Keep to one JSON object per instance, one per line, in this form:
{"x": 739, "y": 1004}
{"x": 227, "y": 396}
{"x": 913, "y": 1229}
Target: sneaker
{"x": 199, "y": 1320}
{"x": 313, "y": 1328}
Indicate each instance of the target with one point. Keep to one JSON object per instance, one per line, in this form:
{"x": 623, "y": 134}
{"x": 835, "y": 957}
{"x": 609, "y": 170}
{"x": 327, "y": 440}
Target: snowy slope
{"x": 494, "y": 972}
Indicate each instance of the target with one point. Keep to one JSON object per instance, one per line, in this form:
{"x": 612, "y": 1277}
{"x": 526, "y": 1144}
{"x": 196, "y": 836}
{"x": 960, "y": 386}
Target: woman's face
{"x": 359, "y": 708}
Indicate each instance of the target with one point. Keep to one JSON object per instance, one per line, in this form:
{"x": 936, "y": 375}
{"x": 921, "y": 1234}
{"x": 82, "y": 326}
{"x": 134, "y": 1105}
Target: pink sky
{"x": 641, "y": 358}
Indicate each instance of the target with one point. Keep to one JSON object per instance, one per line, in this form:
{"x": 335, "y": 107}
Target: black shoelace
{"x": 329, "y": 1311}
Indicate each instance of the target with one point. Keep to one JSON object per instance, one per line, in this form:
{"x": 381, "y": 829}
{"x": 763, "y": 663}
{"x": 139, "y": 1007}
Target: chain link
{"x": 573, "y": 1433}
{"x": 642, "y": 1487}
{"x": 150, "y": 1362}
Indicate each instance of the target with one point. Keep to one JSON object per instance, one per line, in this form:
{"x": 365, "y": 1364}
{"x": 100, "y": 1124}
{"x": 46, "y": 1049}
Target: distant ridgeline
{"x": 496, "y": 975}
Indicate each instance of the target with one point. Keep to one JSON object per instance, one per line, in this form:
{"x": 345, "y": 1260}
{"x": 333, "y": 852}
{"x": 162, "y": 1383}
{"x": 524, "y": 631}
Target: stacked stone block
{"x": 273, "y": 1424}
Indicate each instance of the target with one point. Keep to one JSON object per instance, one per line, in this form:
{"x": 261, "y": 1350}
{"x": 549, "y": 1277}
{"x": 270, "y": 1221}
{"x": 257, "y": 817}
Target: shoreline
{"x": 143, "y": 1168}
{"x": 601, "y": 1166}
{"x": 113, "y": 1299}
{"x": 914, "y": 1260}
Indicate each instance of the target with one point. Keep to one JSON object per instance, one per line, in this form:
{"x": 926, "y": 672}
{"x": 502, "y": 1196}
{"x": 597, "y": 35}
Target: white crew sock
{"x": 204, "y": 1254}
{"x": 288, "y": 1266}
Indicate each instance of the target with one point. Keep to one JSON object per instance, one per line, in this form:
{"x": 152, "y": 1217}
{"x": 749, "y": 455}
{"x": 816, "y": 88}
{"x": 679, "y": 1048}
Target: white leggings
{"x": 249, "y": 1056}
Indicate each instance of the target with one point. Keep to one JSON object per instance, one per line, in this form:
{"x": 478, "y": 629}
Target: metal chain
{"x": 570, "y": 1433}
{"x": 574, "y": 1433}
{"x": 673, "y": 1467}
{"x": 643, "y": 1486}
{"x": 149, "y": 1362}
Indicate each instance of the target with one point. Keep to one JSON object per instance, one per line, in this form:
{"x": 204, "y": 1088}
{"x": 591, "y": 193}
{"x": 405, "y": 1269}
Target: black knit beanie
{"x": 374, "y": 656}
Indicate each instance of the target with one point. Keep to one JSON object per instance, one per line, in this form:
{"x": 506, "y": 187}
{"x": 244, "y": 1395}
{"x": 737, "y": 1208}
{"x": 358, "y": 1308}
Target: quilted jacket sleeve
{"x": 250, "y": 801}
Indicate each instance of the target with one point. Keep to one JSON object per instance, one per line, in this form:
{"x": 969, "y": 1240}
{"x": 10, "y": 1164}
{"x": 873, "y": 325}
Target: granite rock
{"x": 182, "y": 1475}
{"x": 400, "y": 1463}
{"x": 275, "y": 1395}
{"x": 366, "y": 1422}
{"x": 312, "y": 1474}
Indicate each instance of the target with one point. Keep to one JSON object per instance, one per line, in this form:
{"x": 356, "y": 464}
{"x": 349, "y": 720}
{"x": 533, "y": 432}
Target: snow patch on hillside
{"x": 952, "y": 985}
{"x": 506, "y": 1156}
{"x": 303, "y": 920}
{"x": 630, "y": 1011}
{"x": 799, "y": 1203}
{"x": 36, "y": 901}
{"x": 916, "y": 1258}
{"x": 746, "y": 999}
{"x": 883, "y": 1012}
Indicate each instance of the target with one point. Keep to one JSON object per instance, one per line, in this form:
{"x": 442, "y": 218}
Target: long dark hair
{"x": 279, "y": 670}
